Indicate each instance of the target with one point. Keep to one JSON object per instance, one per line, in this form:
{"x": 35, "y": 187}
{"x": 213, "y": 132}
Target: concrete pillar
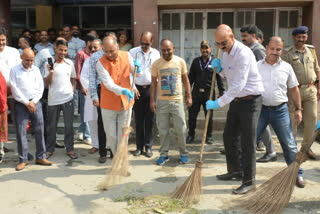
{"x": 5, "y": 17}
{"x": 145, "y": 18}
{"x": 316, "y": 27}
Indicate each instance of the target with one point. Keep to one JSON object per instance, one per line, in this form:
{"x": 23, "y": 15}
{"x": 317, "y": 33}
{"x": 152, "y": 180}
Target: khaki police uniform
{"x": 305, "y": 65}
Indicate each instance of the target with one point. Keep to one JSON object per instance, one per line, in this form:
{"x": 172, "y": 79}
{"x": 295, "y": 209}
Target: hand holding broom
{"x": 191, "y": 189}
{"x": 274, "y": 195}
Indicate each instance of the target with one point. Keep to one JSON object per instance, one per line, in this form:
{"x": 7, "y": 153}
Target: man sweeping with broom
{"x": 114, "y": 69}
{"x": 244, "y": 95}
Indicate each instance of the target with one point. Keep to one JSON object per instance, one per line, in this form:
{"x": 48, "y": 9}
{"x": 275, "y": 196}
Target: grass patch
{"x": 154, "y": 204}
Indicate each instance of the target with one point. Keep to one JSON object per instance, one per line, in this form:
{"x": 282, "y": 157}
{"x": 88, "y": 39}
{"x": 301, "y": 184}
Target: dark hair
{"x": 26, "y": 30}
{"x": 51, "y": 30}
{"x": 89, "y": 38}
{"x": 108, "y": 33}
{"x": 36, "y": 31}
{"x": 259, "y": 34}
{"x": 66, "y": 25}
{"x": 27, "y": 39}
{"x": 61, "y": 42}
{"x": 3, "y": 31}
{"x": 146, "y": 32}
{"x": 250, "y": 28}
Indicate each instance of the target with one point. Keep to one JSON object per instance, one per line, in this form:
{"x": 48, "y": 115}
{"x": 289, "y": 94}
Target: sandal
{"x": 72, "y": 155}
{"x": 93, "y": 150}
{"x": 49, "y": 154}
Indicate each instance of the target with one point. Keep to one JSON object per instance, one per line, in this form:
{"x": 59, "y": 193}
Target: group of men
{"x": 265, "y": 86}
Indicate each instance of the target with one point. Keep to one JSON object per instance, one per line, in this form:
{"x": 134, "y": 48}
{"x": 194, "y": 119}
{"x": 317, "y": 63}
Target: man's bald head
{"x": 146, "y": 41}
{"x": 167, "y": 49}
{"x": 110, "y": 47}
{"x": 224, "y": 38}
{"x": 276, "y": 39}
{"x": 27, "y": 58}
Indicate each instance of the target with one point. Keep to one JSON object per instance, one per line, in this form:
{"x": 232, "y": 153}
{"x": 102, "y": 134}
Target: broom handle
{"x": 132, "y": 84}
{"x": 210, "y": 111}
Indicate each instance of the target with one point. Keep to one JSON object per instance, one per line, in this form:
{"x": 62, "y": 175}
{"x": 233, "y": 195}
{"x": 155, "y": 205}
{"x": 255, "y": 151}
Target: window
{"x": 288, "y": 19}
{"x": 166, "y": 21}
{"x": 193, "y": 21}
{"x": 244, "y": 17}
{"x": 214, "y": 20}
{"x": 70, "y": 15}
{"x": 171, "y": 21}
{"x": 188, "y": 21}
{"x": 119, "y": 16}
{"x": 198, "y": 21}
{"x": 32, "y": 18}
{"x": 93, "y": 17}
{"x": 175, "y": 21}
{"x": 227, "y": 18}
{"x": 23, "y": 18}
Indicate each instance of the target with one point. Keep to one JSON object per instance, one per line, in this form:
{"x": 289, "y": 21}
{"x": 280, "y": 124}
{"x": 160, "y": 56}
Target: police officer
{"x": 200, "y": 77}
{"x": 303, "y": 59}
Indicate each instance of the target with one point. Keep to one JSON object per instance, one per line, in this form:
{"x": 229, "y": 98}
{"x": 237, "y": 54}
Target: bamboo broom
{"x": 191, "y": 189}
{"x": 274, "y": 195}
{"x": 120, "y": 163}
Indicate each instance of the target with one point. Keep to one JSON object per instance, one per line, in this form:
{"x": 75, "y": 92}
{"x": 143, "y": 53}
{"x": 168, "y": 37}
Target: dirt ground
{"x": 70, "y": 186}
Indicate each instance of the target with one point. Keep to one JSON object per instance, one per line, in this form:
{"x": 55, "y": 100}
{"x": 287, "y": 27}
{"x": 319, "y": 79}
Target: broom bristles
{"x": 273, "y": 195}
{"x": 191, "y": 189}
{"x": 120, "y": 163}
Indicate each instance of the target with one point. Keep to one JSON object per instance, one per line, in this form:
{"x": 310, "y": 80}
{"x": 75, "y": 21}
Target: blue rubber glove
{"x": 129, "y": 94}
{"x": 216, "y": 64}
{"x": 318, "y": 125}
{"x": 137, "y": 63}
{"x": 210, "y": 104}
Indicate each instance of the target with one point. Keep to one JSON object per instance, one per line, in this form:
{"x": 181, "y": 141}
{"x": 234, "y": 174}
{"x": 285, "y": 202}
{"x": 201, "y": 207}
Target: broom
{"x": 274, "y": 195}
{"x": 120, "y": 163}
{"x": 191, "y": 189}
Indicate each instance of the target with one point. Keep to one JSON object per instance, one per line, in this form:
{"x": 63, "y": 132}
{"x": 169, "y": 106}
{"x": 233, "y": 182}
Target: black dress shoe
{"x": 30, "y": 157}
{"x": 209, "y": 140}
{"x": 229, "y": 176}
{"x": 260, "y": 147}
{"x": 223, "y": 152}
{"x": 110, "y": 151}
{"x": 148, "y": 153}
{"x": 300, "y": 182}
{"x": 137, "y": 152}
{"x": 267, "y": 158}
{"x": 189, "y": 139}
{"x": 59, "y": 146}
{"x": 244, "y": 188}
{"x": 102, "y": 159}
{"x": 6, "y": 150}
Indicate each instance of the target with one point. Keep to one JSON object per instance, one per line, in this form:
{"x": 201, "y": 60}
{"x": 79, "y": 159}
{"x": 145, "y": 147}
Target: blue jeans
{"x": 279, "y": 119}
{"x": 84, "y": 126}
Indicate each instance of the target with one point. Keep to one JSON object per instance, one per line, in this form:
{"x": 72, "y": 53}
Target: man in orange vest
{"x": 115, "y": 68}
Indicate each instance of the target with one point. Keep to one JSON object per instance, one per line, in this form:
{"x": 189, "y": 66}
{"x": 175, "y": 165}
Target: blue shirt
{"x": 94, "y": 78}
{"x": 41, "y": 59}
{"x": 75, "y": 45}
{"x": 38, "y": 47}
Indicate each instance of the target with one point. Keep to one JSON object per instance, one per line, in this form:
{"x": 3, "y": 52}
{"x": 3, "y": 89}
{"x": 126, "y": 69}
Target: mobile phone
{"x": 50, "y": 63}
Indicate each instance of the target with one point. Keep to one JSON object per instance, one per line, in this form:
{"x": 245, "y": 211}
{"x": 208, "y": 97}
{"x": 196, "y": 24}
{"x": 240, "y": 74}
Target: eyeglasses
{"x": 224, "y": 43}
{"x": 144, "y": 44}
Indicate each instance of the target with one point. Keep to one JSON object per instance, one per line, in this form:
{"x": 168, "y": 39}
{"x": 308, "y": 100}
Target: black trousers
{"x": 144, "y": 119}
{"x": 199, "y": 99}
{"x": 101, "y": 134}
{"x": 44, "y": 102}
{"x": 240, "y": 131}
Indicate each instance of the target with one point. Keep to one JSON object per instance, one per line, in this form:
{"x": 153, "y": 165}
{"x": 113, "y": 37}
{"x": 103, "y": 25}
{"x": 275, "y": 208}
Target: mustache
{"x": 301, "y": 41}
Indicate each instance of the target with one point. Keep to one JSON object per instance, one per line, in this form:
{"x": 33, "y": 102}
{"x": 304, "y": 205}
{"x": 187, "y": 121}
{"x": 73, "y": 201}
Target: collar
{"x": 86, "y": 51}
{"x": 265, "y": 62}
{"x": 149, "y": 52}
{"x": 296, "y": 50}
{"x": 234, "y": 47}
{"x": 24, "y": 69}
{"x": 253, "y": 45}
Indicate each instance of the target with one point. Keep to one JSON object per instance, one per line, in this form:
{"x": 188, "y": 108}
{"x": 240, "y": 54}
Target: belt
{"x": 305, "y": 86}
{"x": 249, "y": 97}
{"x": 143, "y": 86}
{"x": 274, "y": 107}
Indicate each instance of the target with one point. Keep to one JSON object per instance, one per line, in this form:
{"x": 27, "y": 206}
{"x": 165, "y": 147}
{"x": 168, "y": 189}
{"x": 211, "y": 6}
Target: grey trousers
{"x": 267, "y": 140}
{"x": 165, "y": 111}
{"x": 53, "y": 118}
{"x": 22, "y": 116}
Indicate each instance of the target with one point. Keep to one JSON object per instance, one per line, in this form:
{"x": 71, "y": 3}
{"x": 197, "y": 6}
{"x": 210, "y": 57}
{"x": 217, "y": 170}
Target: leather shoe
{"x": 209, "y": 140}
{"x": 44, "y": 162}
{"x": 21, "y": 166}
{"x": 59, "y": 146}
{"x": 223, "y": 152}
{"x": 102, "y": 159}
{"x": 6, "y": 150}
{"x": 244, "y": 188}
{"x": 189, "y": 139}
{"x": 148, "y": 153}
{"x": 229, "y": 176}
{"x": 267, "y": 158}
{"x": 110, "y": 151}
{"x": 311, "y": 155}
{"x": 260, "y": 147}
{"x": 137, "y": 152}
{"x": 300, "y": 182}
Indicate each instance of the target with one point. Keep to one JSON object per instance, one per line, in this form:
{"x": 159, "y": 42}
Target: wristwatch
{"x": 299, "y": 109}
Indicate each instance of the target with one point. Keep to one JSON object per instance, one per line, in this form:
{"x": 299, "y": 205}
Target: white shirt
{"x": 241, "y": 71}
{"x": 9, "y": 58}
{"x": 146, "y": 61}
{"x": 60, "y": 89}
{"x": 108, "y": 81}
{"x": 276, "y": 80}
{"x": 26, "y": 84}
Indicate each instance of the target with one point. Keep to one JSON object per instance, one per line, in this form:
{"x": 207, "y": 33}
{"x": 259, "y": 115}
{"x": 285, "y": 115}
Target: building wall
{"x": 145, "y": 18}
{"x": 5, "y": 16}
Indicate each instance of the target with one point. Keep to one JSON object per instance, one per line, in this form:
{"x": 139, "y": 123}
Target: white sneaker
{"x": 87, "y": 140}
{"x": 80, "y": 136}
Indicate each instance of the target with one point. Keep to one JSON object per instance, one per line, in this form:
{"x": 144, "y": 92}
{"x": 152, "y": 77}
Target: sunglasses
{"x": 224, "y": 43}
{"x": 144, "y": 44}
